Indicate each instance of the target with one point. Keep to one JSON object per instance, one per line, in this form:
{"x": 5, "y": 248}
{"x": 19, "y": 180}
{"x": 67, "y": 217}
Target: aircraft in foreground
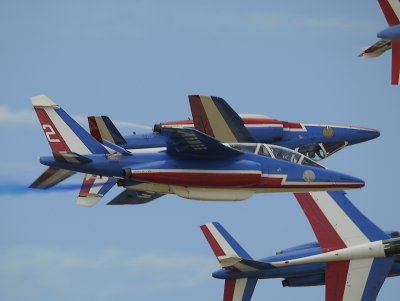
{"x": 389, "y": 38}
{"x": 214, "y": 117}
{"x": 193, "y": 165}
{"x": 352, "y": 258}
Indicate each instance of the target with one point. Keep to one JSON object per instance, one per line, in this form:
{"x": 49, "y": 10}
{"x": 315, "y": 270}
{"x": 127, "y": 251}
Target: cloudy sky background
{"x": 137, "y": 61}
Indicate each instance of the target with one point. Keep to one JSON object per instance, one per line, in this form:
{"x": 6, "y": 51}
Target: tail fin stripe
{"x": 81, "y": 135}
{"x": 74, "y": 143}
{"x": 215, "y": 246}
{"x": 57, "y": 143}
{"x": 231, "y": 242}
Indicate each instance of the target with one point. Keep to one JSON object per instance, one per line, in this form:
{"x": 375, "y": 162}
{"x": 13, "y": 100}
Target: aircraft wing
{"x": 93, "y": 189}
{"x": 192, "y": 143}
{"x": 356, "y": 280}
{"x": 391, "y": 10}
{"x": 214, "y": 117}
{"x": 395, "y": 62}
{"x": 239, "y": 289}
{"x": 134, "y": 197}
{"x": 337, "y": 224}
{"x": 377, "y": 49}
{"x": 51, "y": 177}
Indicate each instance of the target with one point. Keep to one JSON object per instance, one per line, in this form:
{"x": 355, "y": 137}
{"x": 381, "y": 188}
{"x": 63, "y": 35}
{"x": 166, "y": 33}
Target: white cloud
{"x": 49, "y": 273}
{"x": 8, "y": 116}
{"x": 16, "y": 117}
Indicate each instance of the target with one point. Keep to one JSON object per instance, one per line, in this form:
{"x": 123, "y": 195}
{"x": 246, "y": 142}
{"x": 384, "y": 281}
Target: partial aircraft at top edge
{"x": 389, "y": 38}
{"x": 193, "y": 165}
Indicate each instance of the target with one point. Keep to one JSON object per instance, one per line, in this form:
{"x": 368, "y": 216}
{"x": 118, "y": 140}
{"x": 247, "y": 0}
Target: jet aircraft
{"x": 389, "y": 38}
{"x": 352, "y": 258}
{"x": 193, "y": 165}
{"x": 215, "y": 117}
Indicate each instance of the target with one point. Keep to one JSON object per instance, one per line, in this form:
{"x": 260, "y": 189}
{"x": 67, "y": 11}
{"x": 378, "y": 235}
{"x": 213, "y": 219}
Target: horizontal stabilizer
{"x": 51, "y": 177}
{"x": 93, "y": 189}
{"x": 71, "y": 158}
{"x": 134, "y": 197}
{"x": 116, "y": 148}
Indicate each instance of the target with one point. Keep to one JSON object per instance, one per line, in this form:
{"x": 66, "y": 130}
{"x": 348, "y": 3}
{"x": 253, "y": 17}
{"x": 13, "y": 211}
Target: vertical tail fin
{"x": 391, "y": 10}
{"x": 225, "y": 247}
{"x": 102, "y": 128}
{"x": 215, "y": 117}
{"x": 63, "y": 133}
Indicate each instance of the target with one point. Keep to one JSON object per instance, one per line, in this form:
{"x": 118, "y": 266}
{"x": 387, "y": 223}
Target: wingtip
{"x": 43, "y": 101}
{"x": 86, "y": 201}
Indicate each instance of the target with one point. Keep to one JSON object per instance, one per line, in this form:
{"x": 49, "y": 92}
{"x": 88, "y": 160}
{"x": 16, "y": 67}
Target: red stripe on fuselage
{"x": 178, "y": 123}
{"x": 335, "y": 280}
{"x": 218, "y": 251}
{"x": 292, "y": 125}
{"x": 390, "y": 15}
{"x": 326, "y": 234}
{"x": 229, "y": 289}
{"x": 51, "y": 132}
{"x": 278, "y": 183}
{"x": 200, "y": 179}
{"x": 261, "y": 121}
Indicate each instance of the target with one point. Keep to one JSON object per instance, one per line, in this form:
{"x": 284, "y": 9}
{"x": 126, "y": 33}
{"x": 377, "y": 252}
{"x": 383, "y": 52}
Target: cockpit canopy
{"x": 276, "y": 152}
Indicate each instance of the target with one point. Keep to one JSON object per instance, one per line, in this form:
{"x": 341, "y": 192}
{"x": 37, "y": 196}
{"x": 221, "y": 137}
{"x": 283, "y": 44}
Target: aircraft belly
{"x": 207, "y": 194}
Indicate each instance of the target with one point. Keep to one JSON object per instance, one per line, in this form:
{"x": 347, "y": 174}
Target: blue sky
{"x": 137, "y": 61}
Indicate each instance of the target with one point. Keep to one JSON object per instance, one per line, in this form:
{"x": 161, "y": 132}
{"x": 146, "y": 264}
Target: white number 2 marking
{"x": 49, "y": 131}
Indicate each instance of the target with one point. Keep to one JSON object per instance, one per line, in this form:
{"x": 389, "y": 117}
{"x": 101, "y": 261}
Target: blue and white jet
{"x": 352, "y": 257}
{"x": 216, "y": 118}
{"x": 193, "y": 165}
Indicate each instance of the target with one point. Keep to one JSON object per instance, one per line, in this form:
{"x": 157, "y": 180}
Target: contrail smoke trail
{"x": 12, "y": 188}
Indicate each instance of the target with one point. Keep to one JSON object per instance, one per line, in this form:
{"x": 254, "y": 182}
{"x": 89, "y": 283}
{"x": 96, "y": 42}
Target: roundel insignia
{"x": 309, "y": 176}
{"x": 328, "y": 132}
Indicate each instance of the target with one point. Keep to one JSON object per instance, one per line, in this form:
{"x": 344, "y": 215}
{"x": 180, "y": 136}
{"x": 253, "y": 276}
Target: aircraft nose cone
{"x": 362, "y": 135}
{"x": 346, "y": 181}
{"x": 370, "y": 134}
